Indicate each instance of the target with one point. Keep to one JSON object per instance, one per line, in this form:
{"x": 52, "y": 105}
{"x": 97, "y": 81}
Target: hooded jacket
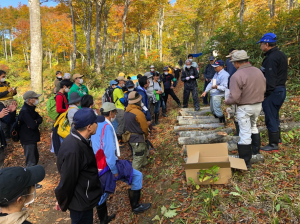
{"x": 15, "y": 218}
{"x": 79, "y": 188}
{"x": 191, "y": 83}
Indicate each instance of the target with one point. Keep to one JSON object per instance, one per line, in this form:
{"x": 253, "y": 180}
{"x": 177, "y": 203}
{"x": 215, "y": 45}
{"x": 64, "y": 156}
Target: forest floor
{"x": 269, "y": 193}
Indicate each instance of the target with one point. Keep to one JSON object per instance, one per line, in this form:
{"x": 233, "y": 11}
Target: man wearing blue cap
{"x": 208, "y": 74}
{"x": 217, "y": 88}
{"x": 274, "y": 67}
{"x": 79, "y": 189}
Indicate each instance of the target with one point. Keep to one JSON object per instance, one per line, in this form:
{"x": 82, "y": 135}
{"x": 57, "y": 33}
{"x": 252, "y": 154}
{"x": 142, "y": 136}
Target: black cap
{"x": 129, "y": 83}
{"x": 14, "y": 180}
{"x": 166, "y": 68}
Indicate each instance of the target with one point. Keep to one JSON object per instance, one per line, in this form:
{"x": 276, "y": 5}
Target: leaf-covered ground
{"x": 269, "y": 193}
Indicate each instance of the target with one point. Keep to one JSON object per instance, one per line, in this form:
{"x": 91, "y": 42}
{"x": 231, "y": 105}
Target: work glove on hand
{"x": 187, "y": 78}
{"x": 192, "y": 77}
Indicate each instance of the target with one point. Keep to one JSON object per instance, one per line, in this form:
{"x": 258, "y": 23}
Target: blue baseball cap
{"x": 113, "y": 82}
{"x": 218, "y": 63}
{"x": 86, "y": 116}
{"x": 211, "y": 58}
{"x": 268, "y": 38}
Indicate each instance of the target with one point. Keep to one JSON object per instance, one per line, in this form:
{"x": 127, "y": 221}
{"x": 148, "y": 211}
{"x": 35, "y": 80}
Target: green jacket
{"x": 82, "y": 90}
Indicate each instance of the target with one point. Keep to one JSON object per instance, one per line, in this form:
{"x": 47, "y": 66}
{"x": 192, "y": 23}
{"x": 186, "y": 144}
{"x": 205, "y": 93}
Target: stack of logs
{"x": 199, "y": 127}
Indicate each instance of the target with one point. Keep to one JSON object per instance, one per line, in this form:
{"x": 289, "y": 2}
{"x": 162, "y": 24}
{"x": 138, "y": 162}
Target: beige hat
{"x": 134, "y": 97}
{"x": 148, "y": 75}
{"x": 75, "y": 76}
{"x": 31, "y": 94}
{"x": 107, "y": 106}
{"x": 231, "y": 53}
{"x": 239, "y": 56}
{"x": 121, "y": 78}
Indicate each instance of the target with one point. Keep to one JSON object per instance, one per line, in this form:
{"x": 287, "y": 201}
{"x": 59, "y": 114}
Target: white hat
{"x": 239, "y": 56}
{"x": 152, "y": 66}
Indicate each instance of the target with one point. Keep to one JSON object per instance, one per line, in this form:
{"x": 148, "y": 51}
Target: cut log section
{"x": 198, "y": 121}
{"x": 197, "y": 127}
{"x": 202, "y": 112}
{"x": 193, "y": 117}
{"x": 207, "y": 139}
{"x": 202, "y": 133}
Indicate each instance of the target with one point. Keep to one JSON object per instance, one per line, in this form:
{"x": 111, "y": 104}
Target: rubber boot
{"x": 222, "y": 119}
{"x": 245, "y": 152}
{"x": 102, "y": 214}
{"x": 179, "y": 104}
{"x": 280, "y": 141}
{"x": 256, "y": 156}
{"x": 273, "y": 142}
{"x": 237, "y": 128}
{"x": 164, "y": 113}
{"x": 215, "y": 116}
{"x": 156, "y": 118}
{"x": 134, "y": 197}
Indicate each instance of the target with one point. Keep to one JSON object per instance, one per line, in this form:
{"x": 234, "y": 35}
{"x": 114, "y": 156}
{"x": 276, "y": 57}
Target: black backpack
{"x": 108, "y": 95}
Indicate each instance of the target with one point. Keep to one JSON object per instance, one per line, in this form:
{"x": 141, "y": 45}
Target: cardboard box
{"x": 205, "y": 156}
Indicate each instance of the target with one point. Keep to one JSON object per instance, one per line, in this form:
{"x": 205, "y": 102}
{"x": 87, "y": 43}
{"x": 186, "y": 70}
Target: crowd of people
{"x": 88, "y": 142}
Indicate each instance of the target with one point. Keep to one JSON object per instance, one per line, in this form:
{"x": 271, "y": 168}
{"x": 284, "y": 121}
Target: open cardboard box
{"x": 205, "y": 156}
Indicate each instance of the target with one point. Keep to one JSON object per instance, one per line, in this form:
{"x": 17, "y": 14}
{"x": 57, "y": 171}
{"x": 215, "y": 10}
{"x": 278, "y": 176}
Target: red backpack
{"x": 100, "y": 156}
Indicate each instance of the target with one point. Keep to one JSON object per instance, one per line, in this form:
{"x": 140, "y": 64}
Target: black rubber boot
{"x": 164, "y": 113}
{"x": 102, "y": 214}
{"x": 280, "y": 141}
{"x": 255, "y": 143}
{"x": 237, "y": 128}
{"x": 273, "y": 142}
{"x": 179, "y": 104}
{"x": 215, "y": 116}
{"x": 156, "y": 118}
{"x": 245, "y": 152}
{"x": 134, "y": 197}
{"x": 222, "y": 119}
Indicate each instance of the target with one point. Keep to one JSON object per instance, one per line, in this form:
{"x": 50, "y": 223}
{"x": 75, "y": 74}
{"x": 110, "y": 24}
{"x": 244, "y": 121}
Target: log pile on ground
{"x": 199, "y": 127}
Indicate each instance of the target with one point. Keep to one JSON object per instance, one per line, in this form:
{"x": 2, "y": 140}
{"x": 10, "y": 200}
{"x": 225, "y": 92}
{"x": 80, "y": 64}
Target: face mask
{"x": 112, "y": 119}
{"x": 166, "y": 73}
{"x": 188, "y": 66}
{"x": 67, "y": 90}
{"x": 152, "y": 69}
{"x": 59, "y": 76}
{"x": 191, "y": 60}
{"x": 33, "y": 197}
{"x": 131, "y": 89}
{"x": 3, "y": 80}
{"x": 122, "y": 85}
{"x": 113, "y": 87}
{"x": 36, "y": 102}
{"x": 80, "y": 81}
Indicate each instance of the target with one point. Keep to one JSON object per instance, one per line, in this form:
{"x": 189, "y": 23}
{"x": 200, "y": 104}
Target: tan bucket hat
{"x": 231, "y": 53}
{"x": 75, "y": 76}
{"x": 121, "y": 78}
{"x": 239, "y": 56}
{"x": 134, "y": 97}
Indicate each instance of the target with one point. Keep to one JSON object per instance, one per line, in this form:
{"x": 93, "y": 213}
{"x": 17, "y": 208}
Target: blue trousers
{"x": 136, "y": 184}
{"x": 271, "y": 106}
{"x": 158, "y": 104}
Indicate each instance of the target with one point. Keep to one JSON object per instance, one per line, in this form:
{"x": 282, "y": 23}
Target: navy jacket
{"x": 229, "y": 67}
{"x": 209, "y": 72}
{"x": 167, "y": 81}
{"x": 191, "y": 83}
{"x": 108, "y": 180}
{"x": 145, "y": 102}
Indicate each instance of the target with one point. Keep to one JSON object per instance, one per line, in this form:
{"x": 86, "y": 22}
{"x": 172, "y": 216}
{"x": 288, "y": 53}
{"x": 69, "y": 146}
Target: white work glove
{"x": 187, "y": 78}
{"x": 192, "y": 77}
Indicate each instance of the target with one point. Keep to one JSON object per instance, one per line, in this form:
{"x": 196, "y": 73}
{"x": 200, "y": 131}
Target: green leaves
{"x": 170, "y": 213}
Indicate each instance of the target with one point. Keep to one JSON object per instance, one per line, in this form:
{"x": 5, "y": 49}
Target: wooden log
{"x": 206, "y": 139}
{"x": 284, "y": 126}
{"x": 197, "y": 127}
{"x": 192, "y": 134}
{"x": 194, "y": 113}
{"x": 193, "y": 117}
{"x": 198, "y": 121}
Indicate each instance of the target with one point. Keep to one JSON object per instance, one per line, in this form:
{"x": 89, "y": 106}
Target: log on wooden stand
{"x": 203, "y": 133}
{"x": 207, "y": 139}
{"x": 197, "y": 127}
{"x": 198, "y": 121}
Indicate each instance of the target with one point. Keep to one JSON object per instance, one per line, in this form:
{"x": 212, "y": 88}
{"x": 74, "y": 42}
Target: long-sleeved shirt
{"x": 229, "y": 67}
{"x": 118, "y": 96}
{"x": 61, "y": 103}
{"x": 247, "y": 87}
{"x": 81, "y": 90}
{"x": 209, "y": 72}
{"x": 221, "y": 82}
{"x": 109, "y": 144}
{"x": 73, "y": 109}
{"x": 145, "y": 101}
{"x": 150, "y": 90}
{"x": 274, "y": 68}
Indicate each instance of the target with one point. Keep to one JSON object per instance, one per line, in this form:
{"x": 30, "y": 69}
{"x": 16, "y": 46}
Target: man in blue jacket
{"x": 141, "y": 89}
{"x": 208, "y": 74}
{"x": 229, "y": 66}
{"x": 106, "y": 149}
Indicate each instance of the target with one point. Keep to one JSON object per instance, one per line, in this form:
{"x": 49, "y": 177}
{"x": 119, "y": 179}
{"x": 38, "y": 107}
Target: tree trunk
{"x": 207, "y": 139}
{"x": 106, "y": 10}
{"x": 10, "y": 40}
{"x": 138, "y": 42}
{"x": 145, "y": 45}
{"x": 160, "y": 25}
{"x": 88, "y": 35}
{"x": 242, "y": 11}
{"x": 50, "y": 59}
{"x": 198, "y": 121}
{"x": 36, "y": 53}
{"x": 150, "y": 42}
{"x": 127, "y": 2}
{"x": 99, "y": 6}
{"x": 74, "y": 35}
{"x": 192, "y": 134}
{"x": 194, "y": 113}
{"x": 5, "y": 49}
{"x": 272, "y": 8}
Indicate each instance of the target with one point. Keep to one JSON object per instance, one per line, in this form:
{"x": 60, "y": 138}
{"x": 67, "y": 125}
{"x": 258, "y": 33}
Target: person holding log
{"x": 247, "y": 89}
{"x": 217, "y": 87}
{"x": 274, "y": 67}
